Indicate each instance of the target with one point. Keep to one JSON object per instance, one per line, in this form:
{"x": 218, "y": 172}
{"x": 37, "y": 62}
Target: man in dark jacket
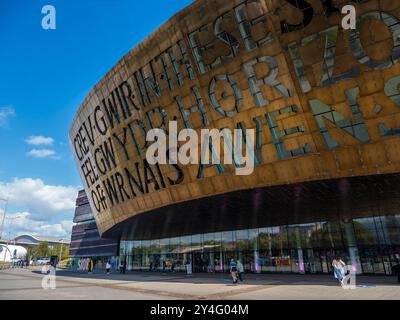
{"x": 396, "y": 270}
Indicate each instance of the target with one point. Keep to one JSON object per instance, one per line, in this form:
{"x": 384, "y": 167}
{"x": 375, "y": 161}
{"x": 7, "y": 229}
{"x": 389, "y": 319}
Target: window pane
{"x": 197, "y": 243}
{"x": 365, "y": 231}
{"x": 242, "y": 240}
{"x": 228, "y": 241}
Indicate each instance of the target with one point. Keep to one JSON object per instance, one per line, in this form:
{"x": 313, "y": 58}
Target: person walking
{"x": 113, "y": 263}
{"x": 396, "y": 271}
{"x": 164, "y": 265}
{"x": 90, "y": 266}
{"x": 121, "y": 267}
{"x": 338, "y": 269}
{"x": 240, "y": 269}
{"x": 233, "y": 269}
{"x": 108, "y": 267}
{"x": 188, "y": 267}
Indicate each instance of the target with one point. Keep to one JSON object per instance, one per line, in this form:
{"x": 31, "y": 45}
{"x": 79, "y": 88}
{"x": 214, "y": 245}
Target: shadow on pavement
{"x": 224, "y": 278}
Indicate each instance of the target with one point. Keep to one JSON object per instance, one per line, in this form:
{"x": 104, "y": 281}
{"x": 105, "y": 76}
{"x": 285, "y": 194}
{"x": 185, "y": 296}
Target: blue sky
{"x": 44, "y": 75}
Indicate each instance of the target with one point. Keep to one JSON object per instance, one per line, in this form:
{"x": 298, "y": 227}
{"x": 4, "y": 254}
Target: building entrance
{"x": 371, "y": 245}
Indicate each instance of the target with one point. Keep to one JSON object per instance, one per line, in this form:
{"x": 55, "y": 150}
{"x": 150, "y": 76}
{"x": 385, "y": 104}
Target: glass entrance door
{"x": 199, "y": 262}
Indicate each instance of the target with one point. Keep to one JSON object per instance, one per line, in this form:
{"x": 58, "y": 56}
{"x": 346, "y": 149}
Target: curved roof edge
{"x": 42, "y": 238}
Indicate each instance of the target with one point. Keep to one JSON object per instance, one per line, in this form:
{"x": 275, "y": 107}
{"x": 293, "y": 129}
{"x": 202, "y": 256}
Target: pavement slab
{"x": 26, "y": 284}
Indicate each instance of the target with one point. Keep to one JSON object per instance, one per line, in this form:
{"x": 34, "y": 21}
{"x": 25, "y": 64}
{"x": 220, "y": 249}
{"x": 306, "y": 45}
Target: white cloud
{"x": 21, "y": 222}
{"x": 41, "y": 200}
{"x": 5, "y": 114}
{"x": 40, "y": 140}
{"x": 43, "y": 153}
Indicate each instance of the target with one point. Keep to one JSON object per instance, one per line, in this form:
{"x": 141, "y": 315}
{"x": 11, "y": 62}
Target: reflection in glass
{"x": 370, "y": 244}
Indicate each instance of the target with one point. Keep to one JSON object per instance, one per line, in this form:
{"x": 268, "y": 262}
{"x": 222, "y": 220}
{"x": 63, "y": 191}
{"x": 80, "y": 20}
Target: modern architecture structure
{"x": 10, "y": 252}
{"x": 324, "y": 104}
{"x": 29, "y": 239}
{"x": 85, "y": 238}
{"x": 26, "y": 240}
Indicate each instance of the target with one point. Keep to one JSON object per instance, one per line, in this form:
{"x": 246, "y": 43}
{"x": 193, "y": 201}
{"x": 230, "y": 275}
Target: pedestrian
{"x": 233, "y": 270}
{"x": 188, "y": 267}
{"x": 121, "y": 267}
{"x": 151, "y": 266}
{"x": 240, "y": 269}
{"x": 172, "y": 265}
{"x": 90, "y": 266}
{"x": 338, "y": 269}
{"x": 164, "y": 265}
{"x": 108, "y": 267}
{"x": 396, "y": 270}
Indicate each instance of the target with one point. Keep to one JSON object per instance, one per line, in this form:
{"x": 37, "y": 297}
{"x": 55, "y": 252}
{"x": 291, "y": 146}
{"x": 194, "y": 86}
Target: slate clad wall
{"x": 85, "y": 238}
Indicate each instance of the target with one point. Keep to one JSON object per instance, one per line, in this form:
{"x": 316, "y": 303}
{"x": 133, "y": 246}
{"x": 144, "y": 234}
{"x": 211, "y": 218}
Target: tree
{"x": 30, "y": 252}
{"x": 332, "y": 234}
{"x": 56, "y": 249}
{"x": 43, "y": 250}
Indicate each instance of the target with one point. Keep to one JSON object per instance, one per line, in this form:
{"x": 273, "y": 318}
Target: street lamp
{"x": 4, "y": 216}
{"x": 10, "y": 226}
{"x": 61, "y": 247}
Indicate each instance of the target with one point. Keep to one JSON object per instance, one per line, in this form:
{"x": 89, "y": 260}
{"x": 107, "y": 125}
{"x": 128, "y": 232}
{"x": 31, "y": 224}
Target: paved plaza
{"x": 27, "y": 284}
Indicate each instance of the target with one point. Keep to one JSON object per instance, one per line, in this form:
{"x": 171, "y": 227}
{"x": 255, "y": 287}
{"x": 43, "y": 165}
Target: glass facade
{"x": 371, "y": 245}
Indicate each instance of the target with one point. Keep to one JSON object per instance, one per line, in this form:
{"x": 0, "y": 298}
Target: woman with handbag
{"x": 338, "y": 269}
